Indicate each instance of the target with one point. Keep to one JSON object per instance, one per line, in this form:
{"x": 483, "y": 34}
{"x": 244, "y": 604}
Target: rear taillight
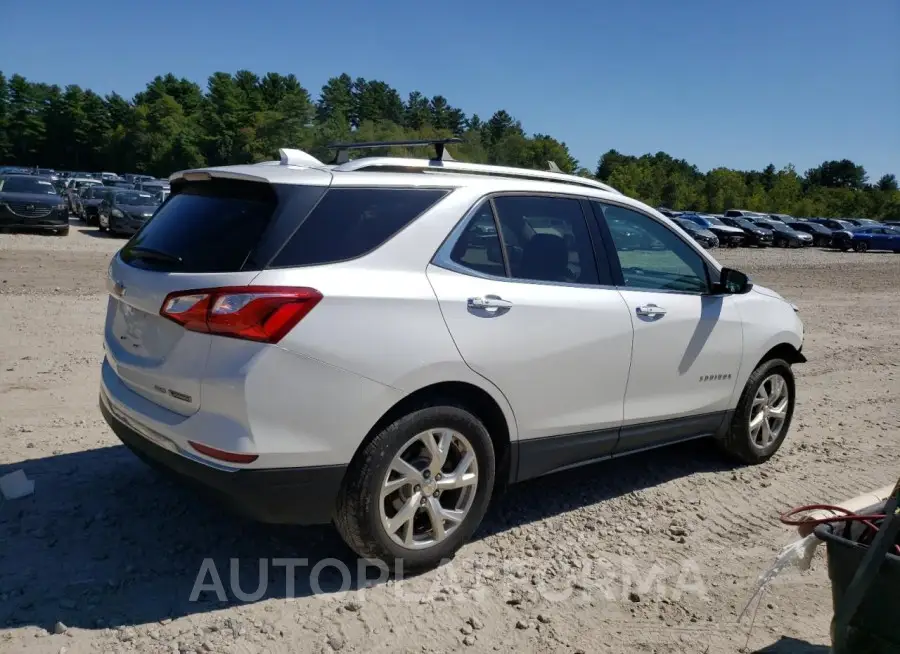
{"x": 222, "y": 455}
{"x": 254, "y": 313}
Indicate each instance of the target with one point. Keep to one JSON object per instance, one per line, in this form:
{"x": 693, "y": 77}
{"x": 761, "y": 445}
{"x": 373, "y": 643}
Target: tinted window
{"x": 206, "y": 227}
{"x": 478, "y": 247}
{"x": 651, "y": 255}
{"x": 27, "y": 185}
{"x": 137, "y": 199}
{"x": 350, "y": 222}
{"x": 546, "y": 239}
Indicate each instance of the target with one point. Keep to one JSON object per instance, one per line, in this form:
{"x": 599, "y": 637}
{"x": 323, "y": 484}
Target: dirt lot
{"x": 107, "y": 553}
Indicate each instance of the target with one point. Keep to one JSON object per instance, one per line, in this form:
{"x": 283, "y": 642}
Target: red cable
{"x": 868, "y": 520}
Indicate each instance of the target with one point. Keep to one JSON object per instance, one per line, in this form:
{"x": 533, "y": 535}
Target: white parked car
{"x": 382, "y": 342}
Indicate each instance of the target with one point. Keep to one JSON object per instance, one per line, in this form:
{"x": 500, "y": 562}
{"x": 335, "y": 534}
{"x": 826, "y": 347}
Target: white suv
{"x": 384, "y": 342}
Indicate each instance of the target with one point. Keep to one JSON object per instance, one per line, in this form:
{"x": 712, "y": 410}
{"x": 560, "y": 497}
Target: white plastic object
{"x": 293, "y": 157}
{"x": 16, "y": 485}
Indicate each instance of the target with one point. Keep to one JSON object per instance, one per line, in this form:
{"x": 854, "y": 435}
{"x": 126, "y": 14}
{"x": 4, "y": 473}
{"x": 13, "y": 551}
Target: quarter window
{"x": 651, "y": 255}
{"x": 478, "y": 247}
{"x": 350, "y": 222}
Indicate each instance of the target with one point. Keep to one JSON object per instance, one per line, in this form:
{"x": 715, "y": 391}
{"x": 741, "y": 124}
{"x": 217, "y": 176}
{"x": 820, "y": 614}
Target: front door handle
{"x": 650, "y": 310}
{"x": 489, "y": 302}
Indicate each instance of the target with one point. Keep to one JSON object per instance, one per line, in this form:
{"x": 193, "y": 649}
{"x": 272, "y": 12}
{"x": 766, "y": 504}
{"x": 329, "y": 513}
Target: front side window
{"x": 546, "y": 239}
{"x": 652, "y": 256}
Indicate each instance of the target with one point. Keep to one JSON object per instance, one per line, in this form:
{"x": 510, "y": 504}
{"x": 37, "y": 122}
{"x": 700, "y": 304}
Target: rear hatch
{"x": 211, "y": 233}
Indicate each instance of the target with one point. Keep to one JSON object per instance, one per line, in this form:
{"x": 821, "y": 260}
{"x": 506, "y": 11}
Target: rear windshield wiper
{"x": 152, "y": 254}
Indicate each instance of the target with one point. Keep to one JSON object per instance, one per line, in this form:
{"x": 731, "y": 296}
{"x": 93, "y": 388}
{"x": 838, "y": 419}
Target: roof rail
{"x": 399, "y": 164}
{"x": 342, "y": 155}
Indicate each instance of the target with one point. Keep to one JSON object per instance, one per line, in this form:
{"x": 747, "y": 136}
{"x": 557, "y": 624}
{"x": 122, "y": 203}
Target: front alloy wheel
{"x": 763, "y": 415}
{"x": 768, "y": 411}
{"x": 861, "y": 246}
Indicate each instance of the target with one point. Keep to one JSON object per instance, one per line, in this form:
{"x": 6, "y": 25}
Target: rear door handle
{"x": 490, "y": 302}
{"x": 650, "y": 310}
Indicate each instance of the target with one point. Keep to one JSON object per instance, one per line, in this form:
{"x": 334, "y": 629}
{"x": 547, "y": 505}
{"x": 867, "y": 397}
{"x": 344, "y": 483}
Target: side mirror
{"x": 733, "y": 282}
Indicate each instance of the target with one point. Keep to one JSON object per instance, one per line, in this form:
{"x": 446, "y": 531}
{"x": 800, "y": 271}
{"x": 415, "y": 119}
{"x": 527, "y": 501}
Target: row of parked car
{"x": 43, "y": 199}
{"x": 737, "y": 227}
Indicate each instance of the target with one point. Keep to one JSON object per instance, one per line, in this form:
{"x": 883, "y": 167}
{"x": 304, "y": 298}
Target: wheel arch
{"x": 784, "y": 351}
{"x": 496, "y": 417}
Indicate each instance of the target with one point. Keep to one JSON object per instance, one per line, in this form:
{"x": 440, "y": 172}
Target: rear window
{"x": 207, "y": 227}
{"x": 350, "y": 222}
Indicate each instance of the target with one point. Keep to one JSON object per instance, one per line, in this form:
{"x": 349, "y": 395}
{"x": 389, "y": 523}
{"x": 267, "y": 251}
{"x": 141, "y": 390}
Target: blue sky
{"x": 716, "y": 82}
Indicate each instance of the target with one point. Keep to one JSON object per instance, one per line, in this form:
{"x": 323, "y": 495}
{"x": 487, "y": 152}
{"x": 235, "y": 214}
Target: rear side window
{"x": 207, "y": 227}
{"x": 350, "y": 222}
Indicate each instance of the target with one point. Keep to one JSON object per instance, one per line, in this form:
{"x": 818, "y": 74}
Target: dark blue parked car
{"x": 869, "y": 237}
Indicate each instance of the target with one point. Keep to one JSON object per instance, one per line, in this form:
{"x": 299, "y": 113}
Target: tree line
{"x": 175, "y": 124}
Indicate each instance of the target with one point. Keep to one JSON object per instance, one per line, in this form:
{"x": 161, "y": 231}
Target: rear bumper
{"x": 841, "y": 242}
{"x": 298, "y": 496}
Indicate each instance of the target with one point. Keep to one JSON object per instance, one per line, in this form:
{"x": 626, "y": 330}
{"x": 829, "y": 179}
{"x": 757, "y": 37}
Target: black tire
{"x": 737, "y": 442}
{"x": 357, "y": 512}
{"x": 861, "y": 246}
{"x": 63, "y": 231}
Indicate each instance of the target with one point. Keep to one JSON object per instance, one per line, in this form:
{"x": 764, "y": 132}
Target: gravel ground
{"x": 655, "y": 553}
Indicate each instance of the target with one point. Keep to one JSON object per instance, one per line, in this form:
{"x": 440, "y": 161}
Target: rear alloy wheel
{"x": 861, "y": 246}
{"x": 763, "y": 415}
{"x": 417, "y": 492}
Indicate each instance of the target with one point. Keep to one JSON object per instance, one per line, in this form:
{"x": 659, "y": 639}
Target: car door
{"x": 688, "y": 342}
{"x": 880, "y": 238}
{"x": 530, "y": 310}
{"x": 892, "y": 238}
